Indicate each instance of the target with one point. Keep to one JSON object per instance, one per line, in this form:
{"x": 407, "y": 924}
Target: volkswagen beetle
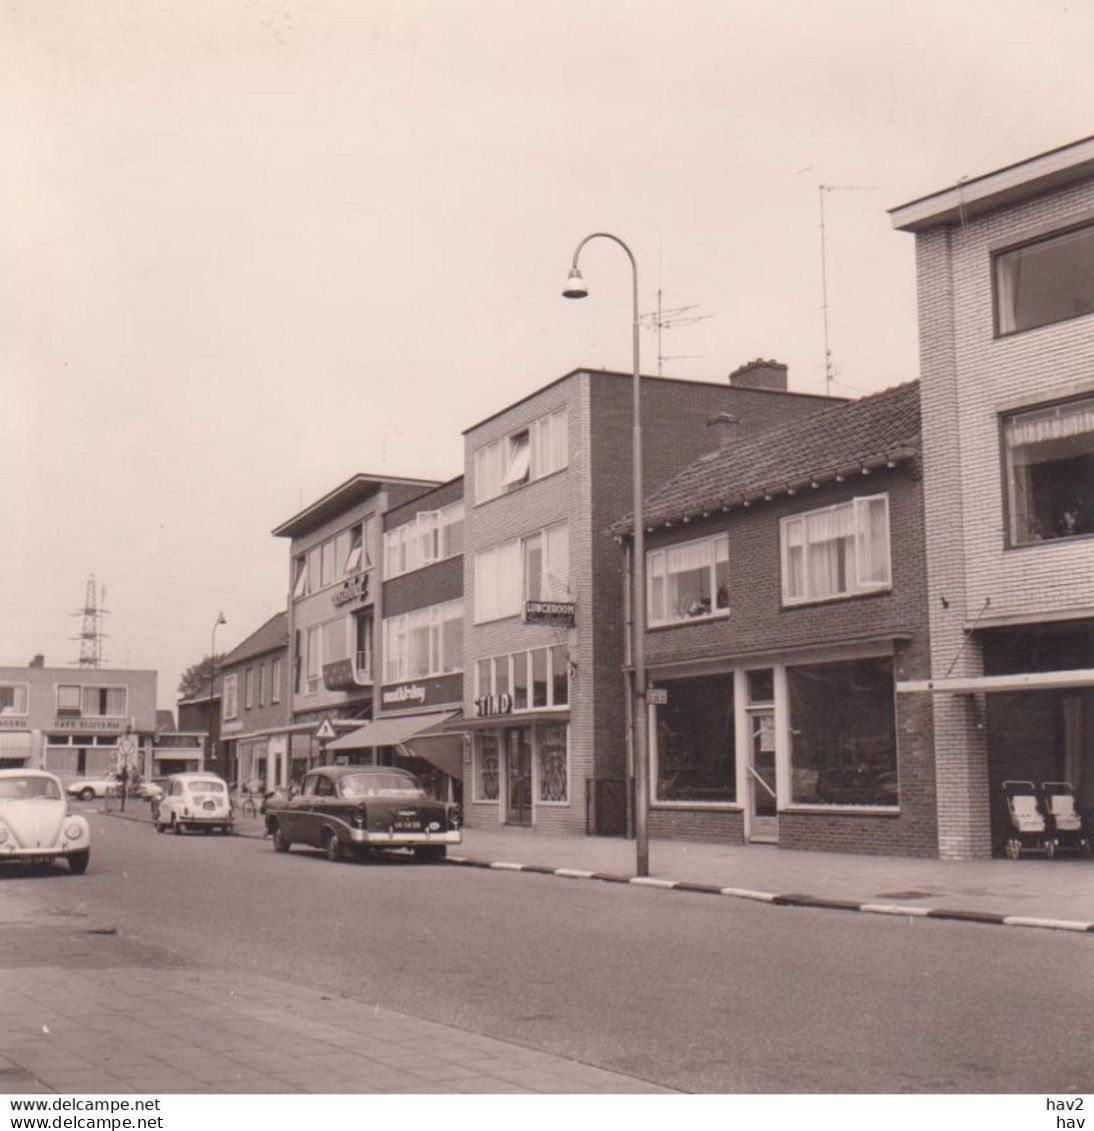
{"x": 35, "y": 823}
{"x": 342, "y": 808}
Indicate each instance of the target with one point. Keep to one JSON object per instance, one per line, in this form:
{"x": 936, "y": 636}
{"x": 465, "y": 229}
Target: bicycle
{"x": 249, "y": 806}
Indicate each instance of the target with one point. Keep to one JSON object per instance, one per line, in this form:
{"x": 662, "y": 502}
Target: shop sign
{"x": 550, "y": 612}
{"x": 233, "y": 726}
{"x": 85, "y": 725}
{"x": 404, "y": 693}
{"x": 657, "y": 696}
{"x": 13, "y": 724}
{"x": 352, "y": 589}
{"x": 488, "y": 705}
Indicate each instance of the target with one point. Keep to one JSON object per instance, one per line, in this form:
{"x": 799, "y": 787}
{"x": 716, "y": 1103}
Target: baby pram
{"x": 1067, "y": 823}
{"x": 1029, "y": 825}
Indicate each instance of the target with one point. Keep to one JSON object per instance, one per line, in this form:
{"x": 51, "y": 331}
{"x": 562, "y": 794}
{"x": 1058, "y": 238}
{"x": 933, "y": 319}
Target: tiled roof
{"x": 272, "y": 635}
{"x": 875, "y": 432}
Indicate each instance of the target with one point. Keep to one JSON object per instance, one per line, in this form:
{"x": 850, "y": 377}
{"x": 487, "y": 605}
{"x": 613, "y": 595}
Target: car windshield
{"x": 206, "y": 787}
{"x": 16, "y": 789}
{"x": 378, "y": 785}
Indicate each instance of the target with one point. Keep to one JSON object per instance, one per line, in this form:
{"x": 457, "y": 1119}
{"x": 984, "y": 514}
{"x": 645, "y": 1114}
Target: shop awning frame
{"x": 1020, "y": 681}
{"x": 389, "y": 732}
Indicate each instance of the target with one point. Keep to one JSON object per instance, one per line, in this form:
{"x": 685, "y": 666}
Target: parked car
{"x": 35, "y": 822}
{"x": 345, "y": 808}
{"x": 87, "y": 789}
{"x": 194, "y": 801}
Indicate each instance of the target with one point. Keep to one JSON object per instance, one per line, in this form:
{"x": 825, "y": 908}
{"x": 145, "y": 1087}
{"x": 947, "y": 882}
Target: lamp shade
{"x": 575, "y": 286}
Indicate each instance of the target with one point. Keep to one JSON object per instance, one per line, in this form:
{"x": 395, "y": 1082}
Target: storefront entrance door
{"x": 763, "y": 811}
{"x": 518, "y": 776}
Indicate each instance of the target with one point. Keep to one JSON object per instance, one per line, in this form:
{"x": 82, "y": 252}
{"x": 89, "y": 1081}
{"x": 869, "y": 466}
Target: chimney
{"x": 760, "y": 374}
{"x": 39, "y": 661}
{"x": 724, "y": 422}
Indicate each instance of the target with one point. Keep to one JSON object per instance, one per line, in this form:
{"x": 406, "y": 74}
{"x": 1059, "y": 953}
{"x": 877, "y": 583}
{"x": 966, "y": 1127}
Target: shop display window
{"x": 553, "y": 775}
{"x": 696, "y": 741}
{"x": 843, "y": 733}
{"x": 486, "y": 767}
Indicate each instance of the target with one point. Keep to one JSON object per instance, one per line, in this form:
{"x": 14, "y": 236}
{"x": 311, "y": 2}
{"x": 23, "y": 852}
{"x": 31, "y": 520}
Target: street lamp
{"x": 576, "y": 288}
{"x": 213, "y": 684}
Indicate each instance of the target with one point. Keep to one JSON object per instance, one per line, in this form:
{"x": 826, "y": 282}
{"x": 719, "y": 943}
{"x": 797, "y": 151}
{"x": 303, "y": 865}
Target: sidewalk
{"x": 1031, "y": 892}
{"x": 85, "y": 1010}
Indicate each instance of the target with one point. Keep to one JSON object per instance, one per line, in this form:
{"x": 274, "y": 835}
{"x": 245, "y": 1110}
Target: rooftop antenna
{"x": 662, "y": 320}
{"x": 828, "y": 375}
{"x": 91, "y": 636}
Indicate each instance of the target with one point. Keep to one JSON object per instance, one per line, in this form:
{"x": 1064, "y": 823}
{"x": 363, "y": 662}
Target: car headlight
{"x": 74, "y": 830}
{"x": 360, "y": 817}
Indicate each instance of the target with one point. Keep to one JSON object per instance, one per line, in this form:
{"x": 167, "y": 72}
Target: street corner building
{"x": 78, "y": 721}
{"x": 545, "y": 704}
{"x": 1005, "y": 266}
{"x": 785, "y": 598}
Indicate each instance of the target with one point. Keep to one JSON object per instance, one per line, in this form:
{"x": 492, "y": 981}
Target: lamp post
{"x": 575, "y": 288}
{"x": 213, "y": 685}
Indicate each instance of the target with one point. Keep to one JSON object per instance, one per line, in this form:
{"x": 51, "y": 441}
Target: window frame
{"x": 15, "y": 688}
{"x": 403, "y": 544}
{"x": 555, "y": 653}
{"x": 858, "y": 504}
{"x": 230, "y": 696}
{"x": 998, "y": 255}
{"x": 435, "y": 623}
{"x": 716, "y": 613}
{"x": 547, "y": 435}
{"x": 275, "y": 681}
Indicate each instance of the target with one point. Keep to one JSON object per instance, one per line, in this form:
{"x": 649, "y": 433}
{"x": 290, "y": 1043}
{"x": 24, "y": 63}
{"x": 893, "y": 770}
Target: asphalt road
{"x": 692, "y": 992}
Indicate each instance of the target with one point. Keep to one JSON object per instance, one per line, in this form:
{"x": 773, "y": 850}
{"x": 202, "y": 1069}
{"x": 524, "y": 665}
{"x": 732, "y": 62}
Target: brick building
{"x": 255, "y": 706}
{"x": 786, "y": 591}
{"x": 1006, "y": 298}
{"x": 544, "y": 698}
{"x": 416, "y": 719}
{"x": 334, "y": 606}
{"x": 77, "y": 722}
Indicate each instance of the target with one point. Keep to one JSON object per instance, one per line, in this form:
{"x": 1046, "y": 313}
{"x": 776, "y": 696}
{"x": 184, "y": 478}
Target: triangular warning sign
{"x": 325, "y": 731}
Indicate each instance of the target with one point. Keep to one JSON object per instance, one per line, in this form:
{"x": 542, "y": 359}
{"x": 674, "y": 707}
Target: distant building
{"x": 77, "y": 721}
{"x": 1006, "y": 328}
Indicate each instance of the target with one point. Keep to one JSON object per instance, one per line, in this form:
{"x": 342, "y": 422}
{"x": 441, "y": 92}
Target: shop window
{"x": 520, "y": 681}
{"x": 843, "y": 733}
{"x": 560, "y": 677}
{"x": 553, "y": 770}
{"x": 696, "y": 742}
{"x": 1050, "y": 471}
{"x": 539, "y": 677}
{"x": 688, "y": 581}
{"x": 486, "y": 767}
{"x": 1051, "y": 280}
{"x": 13, "y": 699}
{"x": 837, "y": 551}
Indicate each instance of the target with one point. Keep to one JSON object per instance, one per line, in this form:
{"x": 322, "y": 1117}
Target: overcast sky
{"x": 249, "y": 248}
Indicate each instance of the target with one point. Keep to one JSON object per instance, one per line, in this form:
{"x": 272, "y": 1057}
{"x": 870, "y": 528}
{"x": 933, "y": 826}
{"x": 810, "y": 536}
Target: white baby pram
{"x": 1029, "y": 825}
{"x": 1066, "y": 821}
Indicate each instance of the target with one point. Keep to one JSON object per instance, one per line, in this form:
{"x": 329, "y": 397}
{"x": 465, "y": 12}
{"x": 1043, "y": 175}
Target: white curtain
{"x": 556, "y": 564}
{"x": 873, "y": 540}
{"x": 1058, "y": 423}
{"x": 1008, "y": 270}
{"x": 830, "y": 535}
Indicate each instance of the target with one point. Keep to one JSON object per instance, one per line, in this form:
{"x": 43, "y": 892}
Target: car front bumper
{"x": 56, "y": 852}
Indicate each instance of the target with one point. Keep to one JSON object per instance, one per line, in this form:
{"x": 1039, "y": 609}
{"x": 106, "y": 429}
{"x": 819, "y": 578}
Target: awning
{"x": 389, "y": 732}
{"x": 1020, "y": 681}
{"x": 445, "y": 751}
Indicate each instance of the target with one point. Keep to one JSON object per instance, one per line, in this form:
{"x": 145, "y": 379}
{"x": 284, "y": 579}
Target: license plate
{"x": 407, "y": 826}
{"x": 210, "y": 805}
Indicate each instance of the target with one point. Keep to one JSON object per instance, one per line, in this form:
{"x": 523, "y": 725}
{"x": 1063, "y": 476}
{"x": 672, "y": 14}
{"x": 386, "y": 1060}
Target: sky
{"x": 250, "y": 248}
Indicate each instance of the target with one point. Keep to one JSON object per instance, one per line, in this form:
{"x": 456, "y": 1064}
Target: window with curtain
{"x": 498, "y": 582}
{"x": 688, "y": 581}
{"x": 425, "y": 642}
{"x": 104, "y": 701}
{"x": 13, "y": 699}
{"x": 1049, "y": 281}
{"x": 230, "y": 690}
{"x": 522, "y": 457}
{"x": 1049, "y": 455}
{"x": 837, "y": 551}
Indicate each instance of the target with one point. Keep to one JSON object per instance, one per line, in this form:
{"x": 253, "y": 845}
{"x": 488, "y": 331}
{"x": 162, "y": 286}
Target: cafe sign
{"x": 560, "y": 613}
{"x": 404, "y": 693}
{"x": 351, "y": 590}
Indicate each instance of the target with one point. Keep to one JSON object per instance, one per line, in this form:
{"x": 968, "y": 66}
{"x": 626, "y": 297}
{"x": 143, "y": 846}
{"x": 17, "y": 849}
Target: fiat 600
{"x": 342, "y": 808}
{"x": 35, "y": 823}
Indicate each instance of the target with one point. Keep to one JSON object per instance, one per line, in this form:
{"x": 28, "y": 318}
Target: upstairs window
{"x": 522, "y": 457}
{"x": 231, "y": 696}
{"x": 300, "y": 586}
{"x": 1051, "y": 280}
{"x": 431, "y": 536}
{"x": 688, "y": 581}
{"x": 13, "y": 699}
{"x": 1049, "y": 456}
{"x": 837, "y": 551}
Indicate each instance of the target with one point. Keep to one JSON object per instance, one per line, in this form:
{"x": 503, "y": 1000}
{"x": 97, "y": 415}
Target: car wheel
{"x": 78, "y": 861}
{"x": 281, "y": 842}
{"x": 430, "y": 853}
{"x": 332, "y": 843}
{"x": 87, "y": 794}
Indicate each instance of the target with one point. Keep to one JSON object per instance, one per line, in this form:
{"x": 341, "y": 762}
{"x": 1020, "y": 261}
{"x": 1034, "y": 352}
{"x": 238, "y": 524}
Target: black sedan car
{"x": 342, "y": 808}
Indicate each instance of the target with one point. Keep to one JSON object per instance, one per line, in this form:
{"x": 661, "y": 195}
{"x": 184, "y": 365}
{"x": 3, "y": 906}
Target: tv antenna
{"x": 828, "y": 376}
{"x": 670, "y": 319}
{"x": 92, "y": 635}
